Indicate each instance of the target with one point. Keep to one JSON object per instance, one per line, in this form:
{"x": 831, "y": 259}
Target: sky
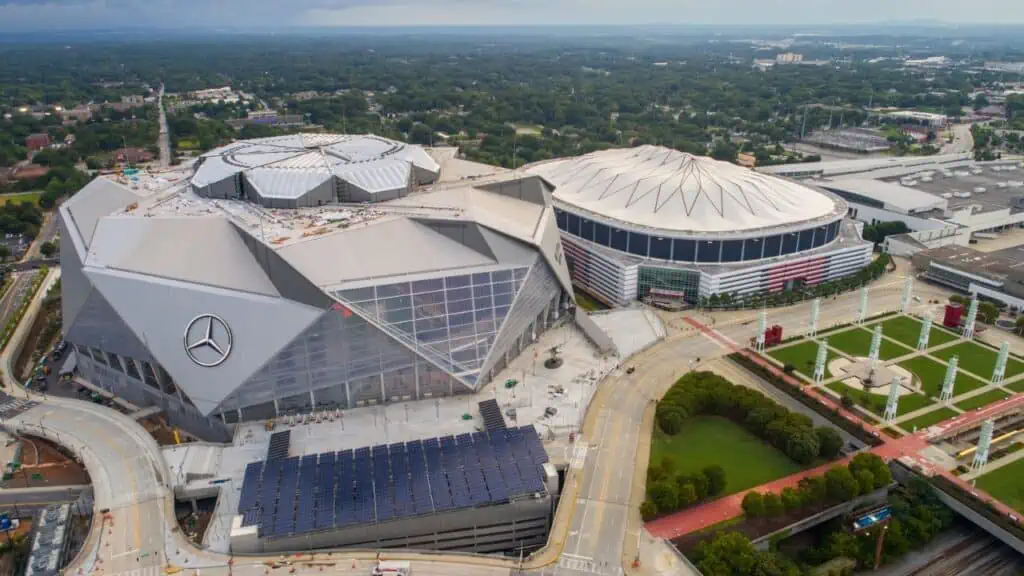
{"x": 31, "y": 15}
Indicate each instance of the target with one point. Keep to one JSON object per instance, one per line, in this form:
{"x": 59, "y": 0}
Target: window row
{"x": 700, "y": 251}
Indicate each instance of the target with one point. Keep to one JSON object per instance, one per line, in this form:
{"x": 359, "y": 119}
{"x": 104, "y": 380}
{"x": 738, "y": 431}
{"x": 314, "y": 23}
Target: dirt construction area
{"x": 44, "y": 464}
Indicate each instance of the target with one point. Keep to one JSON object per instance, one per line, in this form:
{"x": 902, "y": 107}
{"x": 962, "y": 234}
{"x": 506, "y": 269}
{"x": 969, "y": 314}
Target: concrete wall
{"x": 487, "y": 529}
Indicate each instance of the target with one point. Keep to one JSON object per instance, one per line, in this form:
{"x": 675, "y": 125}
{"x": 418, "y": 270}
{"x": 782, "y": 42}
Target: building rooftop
{"x": 895, "y": 196}
{"x": 980, "y": 186}
{"x": 667, "y": 190}
{"x": 992, "y": 265}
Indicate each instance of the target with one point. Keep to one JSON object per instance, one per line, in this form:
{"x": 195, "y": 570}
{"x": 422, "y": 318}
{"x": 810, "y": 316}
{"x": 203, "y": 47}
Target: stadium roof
{"x": 290, "y": 166}
{"x": 665, "y": 189}
{"x": 895, "y": 196}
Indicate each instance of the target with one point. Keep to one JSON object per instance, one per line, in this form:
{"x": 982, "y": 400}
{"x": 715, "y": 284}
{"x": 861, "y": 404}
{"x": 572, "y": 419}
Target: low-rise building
{"x": 36, "y": 142}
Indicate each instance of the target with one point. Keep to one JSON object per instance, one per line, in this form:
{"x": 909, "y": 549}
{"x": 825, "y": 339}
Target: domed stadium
{"x": 651, "y": 217}
{"x": 303, "y": 170}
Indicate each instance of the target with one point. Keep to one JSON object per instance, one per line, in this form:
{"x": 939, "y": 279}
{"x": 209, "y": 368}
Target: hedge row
{"x": 798, "y": 394}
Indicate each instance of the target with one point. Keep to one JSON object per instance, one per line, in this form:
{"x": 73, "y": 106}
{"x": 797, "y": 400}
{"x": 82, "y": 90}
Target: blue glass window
{"x": 819, "y": 236}
{"x": 620, "y": 239}
{"x": 600, "y": 233}
{"x": 789, "y": 243}
{"x": 661, "y": 248}
{"x": 752, "y": 248}
{"x": 708, "y": 251}
{"x": 638, "y": 244}
{"x": 562, "y": 219}
{"x": 683, "y": 250}
{"x": 772, "y": 246}
{"x": 806, "y": 238}
{"x": 573, "y": 225}
{"x": 732, "y": 250}
{"x": 586, "y": 229}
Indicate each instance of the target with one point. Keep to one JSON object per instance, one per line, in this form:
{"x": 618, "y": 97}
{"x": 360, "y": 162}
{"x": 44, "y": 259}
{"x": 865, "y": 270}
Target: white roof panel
{"x": 665, "y": 189}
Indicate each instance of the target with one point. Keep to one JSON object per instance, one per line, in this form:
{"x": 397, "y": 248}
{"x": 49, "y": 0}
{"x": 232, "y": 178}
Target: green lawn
{"x": 979, "y": 360}
{"x": 802, "y": 356}
{"x": 19, "y": 197}
{"x": 857, "y": 342}
{"x": 705, "y": 440}
{"x": 932, "y": 373}
{"x": 907, "y": 330}
{"x": 931, "y": 418}
{"x": 983, "y": 399}
{"x": 1005, "y": 485}
{"x": 1017, "y": 386}
{"x": 876, "y": 402}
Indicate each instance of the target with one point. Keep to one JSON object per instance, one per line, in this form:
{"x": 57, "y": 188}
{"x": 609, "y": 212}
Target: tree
{"x": 753, "y": 504}
{"x": 665, "y": 496}
{"x": 687, "y": 495}
{"x": 791, "y": 499}
{"x": 648, "y": 510}
{"x": 865, "y": 480}
{"x": 772, "y": 505}
{"x": 830, "y": 443}
{"x": 988, "y": 312}
{"x": 5, "y": 252}
{"x": 698, "y": 481}
{"x": 980, "y": 101}
{"x": 802, "y": 445}
{"x": 1019, "y": 326}
{"x": 840, "y": 484}
{"x": 716, "y": 479}
{"x": 671, "y": 421}
{"x": 958, "y": 299}
{"x": 668, "y": 465}
{"x": 875, "y": 465}
{"x": 47, "y": 249}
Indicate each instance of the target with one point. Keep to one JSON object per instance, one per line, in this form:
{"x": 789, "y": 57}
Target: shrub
{"x": 665, "y": 496}
{"x": 772, "y": 505}
{"x": 753, "y": 504}
{"x": 716, "y": 479}
{"x": 648, "y": 510}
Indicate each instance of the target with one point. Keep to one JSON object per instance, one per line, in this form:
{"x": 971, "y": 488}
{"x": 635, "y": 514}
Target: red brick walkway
{"x": 710, "y": 513}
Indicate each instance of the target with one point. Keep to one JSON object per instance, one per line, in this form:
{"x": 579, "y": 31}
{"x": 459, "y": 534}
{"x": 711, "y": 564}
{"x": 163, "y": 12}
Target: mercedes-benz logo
{"x": 208, "y": 340}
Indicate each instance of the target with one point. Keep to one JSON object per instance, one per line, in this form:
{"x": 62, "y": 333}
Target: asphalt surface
{"x": 164, "y": 141}
{"x": 31, "y": 499}
{"x": 47, "y": 234}
{"x": 14, "y": 296}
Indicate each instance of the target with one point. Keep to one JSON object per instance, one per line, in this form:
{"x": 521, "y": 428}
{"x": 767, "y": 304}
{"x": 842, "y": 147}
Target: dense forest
{"x": 505, "y": 101}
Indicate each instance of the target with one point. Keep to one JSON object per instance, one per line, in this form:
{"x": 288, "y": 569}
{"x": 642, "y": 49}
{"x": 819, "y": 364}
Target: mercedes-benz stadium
{"x": 224, "y": 310}
{"x": 651, "y": 220}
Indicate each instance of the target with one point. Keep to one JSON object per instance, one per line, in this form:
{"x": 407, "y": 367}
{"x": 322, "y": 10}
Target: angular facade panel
{"x": 161, "y": 311}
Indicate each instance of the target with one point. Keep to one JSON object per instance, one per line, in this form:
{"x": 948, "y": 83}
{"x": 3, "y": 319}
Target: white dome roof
{"x": 664, "y": 189}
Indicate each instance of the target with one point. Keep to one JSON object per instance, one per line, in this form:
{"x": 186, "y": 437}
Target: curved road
{"x": 597, "y": 533}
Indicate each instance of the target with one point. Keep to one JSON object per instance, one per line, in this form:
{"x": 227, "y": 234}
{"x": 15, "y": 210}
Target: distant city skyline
{"x": 31, "y": 15}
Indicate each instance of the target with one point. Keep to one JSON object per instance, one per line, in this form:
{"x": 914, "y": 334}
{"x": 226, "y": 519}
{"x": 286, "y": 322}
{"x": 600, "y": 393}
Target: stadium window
{"x": 619, "y": 239}
{"x": 573, "y": 225}
{"x": 638, "y": 243}
{"x": 600, "y": 233}
{"x": 708, "y": 251}
{"x": 683, "y": 250}
{"x": 732, "y": 250}
{"x": 661, "y": 248}
{"x": 752, "y": 249}
{"x": 789, "y": 242}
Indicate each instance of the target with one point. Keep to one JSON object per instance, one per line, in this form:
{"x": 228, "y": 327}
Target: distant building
{"x": 80, "y": 113}
{"x": 133, "y": 100}
{"x": 132, "y": 155}
{"x": 789, "y": 58}
{"x": 746, "y": 160}
{"x": 926, "y": 119}
{"x": 37, "y": 142}
{"x": 30, "y": 172}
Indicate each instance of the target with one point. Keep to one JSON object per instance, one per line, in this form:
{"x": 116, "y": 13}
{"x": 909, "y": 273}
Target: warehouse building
{"x": 652, "y": 218}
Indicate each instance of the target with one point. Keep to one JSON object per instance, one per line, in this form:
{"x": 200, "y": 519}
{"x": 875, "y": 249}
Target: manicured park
{"x": 703, "y": 441}
{"x": 931, "y": 374}
{"x": 802, "y": 356}
{"x": 907, "y": 330}
{"x": 983, "y": 399}
{"x": 979, "y": 360}
{"x": 876, "y": 402}
{"x": 1005, "y": 484}
{"x": 857, "y": 342}
{"x": 928, "y": 419}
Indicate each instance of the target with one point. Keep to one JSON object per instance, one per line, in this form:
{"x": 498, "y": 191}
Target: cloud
{"x": 57, "y": 14}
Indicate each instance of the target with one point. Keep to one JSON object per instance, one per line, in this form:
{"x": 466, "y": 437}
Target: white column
{"x": 892, "y": 403}
{"x": 984, "y": 441}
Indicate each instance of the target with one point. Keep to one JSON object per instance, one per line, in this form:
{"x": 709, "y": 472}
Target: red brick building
{"x": 37, "y": 142}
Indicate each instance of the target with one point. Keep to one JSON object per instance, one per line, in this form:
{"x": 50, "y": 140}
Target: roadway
{"x": 46, "y": 234}
{"x": 164, "y": 140}
{"x": 31, "y": 499}
{"x": 963, "y": 141}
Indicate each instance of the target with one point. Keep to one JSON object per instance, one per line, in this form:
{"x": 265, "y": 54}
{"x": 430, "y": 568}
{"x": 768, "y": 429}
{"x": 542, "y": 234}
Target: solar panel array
{"x": 286, "y": 496}
{"x": 491, "y": 414}
{"x": 279, "y": 444}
